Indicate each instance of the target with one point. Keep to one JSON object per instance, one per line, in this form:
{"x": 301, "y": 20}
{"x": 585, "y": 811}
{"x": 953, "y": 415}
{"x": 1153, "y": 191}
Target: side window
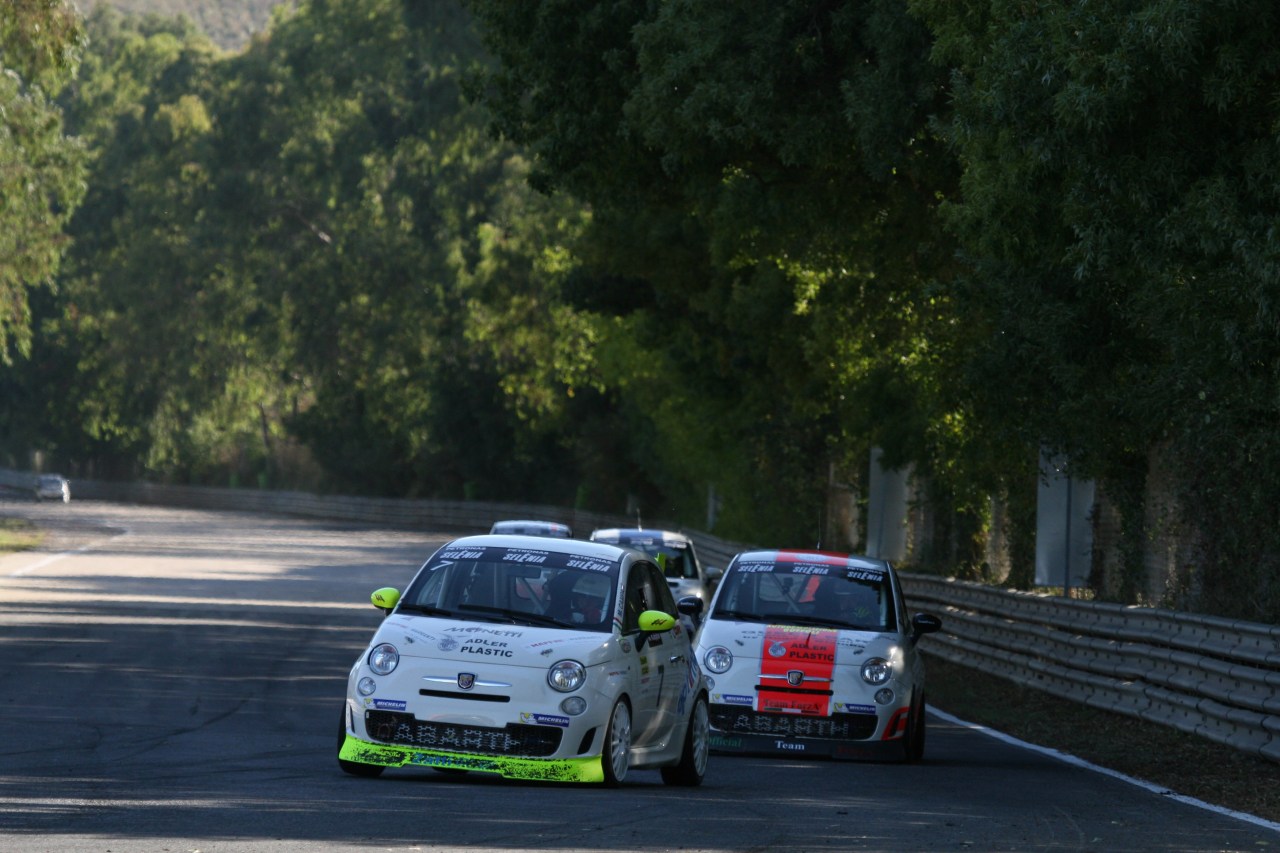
{"x": 660, "y": 593}
{"x": 637, "y": 597}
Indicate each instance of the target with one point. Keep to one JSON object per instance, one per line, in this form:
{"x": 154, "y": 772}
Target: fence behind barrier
{"x": 1216, "y": 678}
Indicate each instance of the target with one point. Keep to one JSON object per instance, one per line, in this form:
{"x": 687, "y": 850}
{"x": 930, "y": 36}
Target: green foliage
{"x": 765, "y": 238}
{"x": 41, "y": 169}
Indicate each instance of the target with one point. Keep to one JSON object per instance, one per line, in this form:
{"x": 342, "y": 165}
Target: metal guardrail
{"x": 1213, "y": 677}
{"x": 460, "y": 516}
{"x": 1216, "y": 678}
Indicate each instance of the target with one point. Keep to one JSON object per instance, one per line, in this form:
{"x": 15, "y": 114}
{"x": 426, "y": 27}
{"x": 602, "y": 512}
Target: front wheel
{"x": 617, "y": 745}
{"x": 697, "y": 746}
{"x": 913, "y": 741}
{"x": 355, "y": 768}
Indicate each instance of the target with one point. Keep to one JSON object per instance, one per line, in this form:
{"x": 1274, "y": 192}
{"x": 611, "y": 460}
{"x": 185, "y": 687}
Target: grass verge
{"x": 18, "y": 534}
{"x": 1183, "y": 763}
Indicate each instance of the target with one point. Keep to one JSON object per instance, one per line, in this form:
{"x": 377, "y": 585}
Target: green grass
{"x": 17, "y": 534}
{"x": 1183, "y": 763}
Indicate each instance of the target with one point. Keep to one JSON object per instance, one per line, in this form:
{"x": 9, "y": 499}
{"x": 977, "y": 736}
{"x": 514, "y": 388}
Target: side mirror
{"x": 653, "y": 622}
{"x": 690, "y": 605}
{"x": 924, "y": 623}
{"x": 385, "y": 599}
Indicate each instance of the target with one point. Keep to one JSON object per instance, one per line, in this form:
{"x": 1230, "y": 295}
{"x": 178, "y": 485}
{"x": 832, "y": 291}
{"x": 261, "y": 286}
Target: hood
{"x": 511, "y": 645}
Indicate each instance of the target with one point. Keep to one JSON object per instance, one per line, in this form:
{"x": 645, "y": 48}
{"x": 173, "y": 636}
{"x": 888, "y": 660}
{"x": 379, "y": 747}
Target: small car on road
{"x": 53, "y": 487}
{"x": 534, "y": 658}
{"x": 674, "y": 553}
{"x": 530, "y": 527}
{"x": 812, "y": 654}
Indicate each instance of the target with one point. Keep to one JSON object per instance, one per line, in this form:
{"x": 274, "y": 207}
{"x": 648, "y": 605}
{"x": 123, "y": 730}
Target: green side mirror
{"x": 385, "y": 599}
{"x": 655, "y": 621}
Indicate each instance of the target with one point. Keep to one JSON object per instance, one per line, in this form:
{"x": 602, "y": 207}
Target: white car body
{"x": 785, "y": 646}
{"x": 480, "y": 654}
{"x": 527, "y": 527}
{"x": 52, "y": 487}
{"x": 674, "y": 552}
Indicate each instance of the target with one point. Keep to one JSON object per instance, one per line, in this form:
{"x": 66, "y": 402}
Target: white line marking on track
{"x": 1080, "y": 762}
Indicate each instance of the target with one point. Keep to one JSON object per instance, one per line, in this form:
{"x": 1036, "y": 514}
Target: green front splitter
{"x": 536, "y": 769}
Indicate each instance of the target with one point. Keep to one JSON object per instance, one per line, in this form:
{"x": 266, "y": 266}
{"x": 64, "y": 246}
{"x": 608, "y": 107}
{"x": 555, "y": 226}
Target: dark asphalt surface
{"x": 171, "y": 682}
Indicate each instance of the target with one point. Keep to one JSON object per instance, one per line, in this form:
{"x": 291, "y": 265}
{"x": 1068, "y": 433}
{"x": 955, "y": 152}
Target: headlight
{"x": 877, "y": 671}
{"x": 566, "y": 676}
{"x": 384, "y": 658}
{"x": 718, "y": 659}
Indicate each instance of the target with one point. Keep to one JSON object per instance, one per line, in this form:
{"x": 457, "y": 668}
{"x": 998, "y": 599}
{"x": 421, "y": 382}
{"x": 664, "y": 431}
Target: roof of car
{"x": 541, "y": 543}
{"x": 533, "y": 527}
{"x": 833, "y": 558}
{"x": 625, "y": 535}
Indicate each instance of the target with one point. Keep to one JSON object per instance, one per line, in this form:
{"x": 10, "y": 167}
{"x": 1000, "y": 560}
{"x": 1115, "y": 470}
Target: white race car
{"x": 534, "y": 658}
{"x": 812, "y": 653}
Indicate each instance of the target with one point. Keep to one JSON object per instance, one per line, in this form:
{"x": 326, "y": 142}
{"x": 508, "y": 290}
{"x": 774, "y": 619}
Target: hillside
{"x": 230, "y": 23}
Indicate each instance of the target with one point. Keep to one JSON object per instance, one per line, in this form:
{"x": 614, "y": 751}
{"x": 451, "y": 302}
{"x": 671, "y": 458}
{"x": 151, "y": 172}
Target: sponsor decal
{"x": 794, "y": 657}
{"x": 788, "y": 745}
{"x": 734, "y": 699}
{"x": 851, "y": 708}
{"x": 544, "y": 719}
{"x": 447, "y": 644}
{"x": 587, "y": 564}
{"x": 725, "y": 742}
{"x": 462, "y": 554}
{"x": 496, "y": 632}
{"x": 387, "y": 704}
{"x": 488, "y": 651}
{"x": 522, "y": 556}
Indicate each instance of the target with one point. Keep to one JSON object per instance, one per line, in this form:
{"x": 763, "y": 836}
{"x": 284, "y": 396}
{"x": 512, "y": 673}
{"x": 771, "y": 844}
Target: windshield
{"x": 676, "y": 561}
{"x": 807, "y": 593}
{"x": 525, "y": 586}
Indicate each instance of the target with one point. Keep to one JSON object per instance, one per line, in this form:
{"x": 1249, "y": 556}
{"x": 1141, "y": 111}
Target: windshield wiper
{"x": 425, "y": 609}
{"x": 740, "y": 615}
{"x": 515, "y": 616}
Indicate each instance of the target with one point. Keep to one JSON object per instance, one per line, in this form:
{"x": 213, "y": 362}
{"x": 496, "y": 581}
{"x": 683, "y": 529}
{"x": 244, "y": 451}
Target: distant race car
{"x": 812, "y": 654}
{"x": 534, "y": 658}
{"x": 52, "y": 487}
{"x": 533, "y": 528}
{"x": 674, "y": 553}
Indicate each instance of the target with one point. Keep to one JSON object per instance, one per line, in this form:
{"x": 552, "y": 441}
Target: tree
{"x": 41, "y": 169}
{"x": 764, "y": 187}
{"x": 1117, "y": 211}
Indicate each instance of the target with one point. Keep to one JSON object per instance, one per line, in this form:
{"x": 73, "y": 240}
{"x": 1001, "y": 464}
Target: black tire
{"x": 615, "y": 755}
{"x": 913, "y": 741}
{"x": 355, "y": 768}
{"x": 697, "y": 746}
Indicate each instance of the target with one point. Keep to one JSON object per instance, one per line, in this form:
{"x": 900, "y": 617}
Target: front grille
{"x": 513, "y": 739}
{"x": 728, "y": 718}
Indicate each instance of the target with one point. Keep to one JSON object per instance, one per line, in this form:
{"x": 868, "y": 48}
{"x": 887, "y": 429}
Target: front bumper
{"x": 850, "y": 736}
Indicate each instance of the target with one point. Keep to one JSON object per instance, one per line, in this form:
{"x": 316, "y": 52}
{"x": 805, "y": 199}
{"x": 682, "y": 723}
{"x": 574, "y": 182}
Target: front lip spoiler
{"x": 533, "y": 769}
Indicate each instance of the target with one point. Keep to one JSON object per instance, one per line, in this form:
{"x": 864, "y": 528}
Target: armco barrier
{"x": 1217, "y": 678}
{"x": 460, "y": 516}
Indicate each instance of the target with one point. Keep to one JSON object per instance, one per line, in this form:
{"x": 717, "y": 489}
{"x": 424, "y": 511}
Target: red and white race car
{"x": 812, "y": 653}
